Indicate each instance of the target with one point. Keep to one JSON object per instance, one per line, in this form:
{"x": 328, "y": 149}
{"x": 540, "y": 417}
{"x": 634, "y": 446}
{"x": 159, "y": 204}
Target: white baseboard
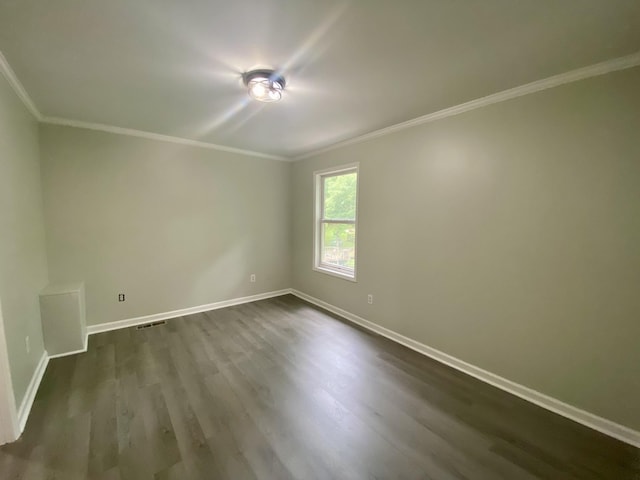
{"x": 130, "y": 322}
{"x": 583, "y": 417}
{"x": 74, "y": 352}
{"x": 32, "y": 389}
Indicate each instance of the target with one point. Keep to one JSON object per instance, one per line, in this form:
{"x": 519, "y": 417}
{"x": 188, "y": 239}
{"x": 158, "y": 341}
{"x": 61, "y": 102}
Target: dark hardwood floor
{"x": 279, "y": 389}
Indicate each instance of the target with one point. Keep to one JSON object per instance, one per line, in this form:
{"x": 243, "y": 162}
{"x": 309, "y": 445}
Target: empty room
{"x": 319, "y": 239}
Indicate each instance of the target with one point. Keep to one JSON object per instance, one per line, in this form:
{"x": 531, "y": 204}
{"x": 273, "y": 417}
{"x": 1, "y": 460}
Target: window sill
{"x": 336, "y": 273}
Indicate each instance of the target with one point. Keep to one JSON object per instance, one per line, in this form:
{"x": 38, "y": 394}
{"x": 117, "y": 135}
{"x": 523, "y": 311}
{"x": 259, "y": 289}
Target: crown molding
{"x": 602, "y": 68}
{"x": 22, "y": 94}
{"x": 597, "y": 69}
{"x": 156, "y": 136}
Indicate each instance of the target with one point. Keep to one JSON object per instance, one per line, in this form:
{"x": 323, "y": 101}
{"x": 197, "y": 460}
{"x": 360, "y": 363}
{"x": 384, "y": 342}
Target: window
{"x": 335, "y": 221}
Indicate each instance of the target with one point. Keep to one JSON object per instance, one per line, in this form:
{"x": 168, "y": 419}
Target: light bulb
{"x": 258, "y": 90}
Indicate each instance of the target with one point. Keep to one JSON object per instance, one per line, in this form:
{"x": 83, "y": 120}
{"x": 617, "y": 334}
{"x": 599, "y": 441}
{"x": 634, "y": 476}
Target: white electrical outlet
{"x": 252, "y": 278}
{"x": 27, "y": 344}
{"x": 370, "y": 299}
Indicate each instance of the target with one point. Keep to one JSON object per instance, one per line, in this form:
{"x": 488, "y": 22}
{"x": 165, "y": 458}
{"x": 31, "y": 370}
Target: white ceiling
{"x": 174, "y": 67}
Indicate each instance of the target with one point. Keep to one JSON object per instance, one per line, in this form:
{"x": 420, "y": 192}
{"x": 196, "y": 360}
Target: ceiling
{"x": 352, "y": 67}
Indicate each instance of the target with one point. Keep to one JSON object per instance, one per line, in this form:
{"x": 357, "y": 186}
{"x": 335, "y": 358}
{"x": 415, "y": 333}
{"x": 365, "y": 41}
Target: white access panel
{"x": 64, "y": 324}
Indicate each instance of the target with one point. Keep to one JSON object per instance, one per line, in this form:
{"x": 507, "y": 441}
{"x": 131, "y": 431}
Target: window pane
{"x": 340, "y": 197}
{"x": 338, "y": 244}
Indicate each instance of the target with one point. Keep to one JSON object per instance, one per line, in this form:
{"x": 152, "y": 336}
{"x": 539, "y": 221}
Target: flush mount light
{"x": 264, "y": 85}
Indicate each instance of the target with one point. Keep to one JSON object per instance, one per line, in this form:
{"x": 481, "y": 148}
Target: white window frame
{"x": 318, "y": 177}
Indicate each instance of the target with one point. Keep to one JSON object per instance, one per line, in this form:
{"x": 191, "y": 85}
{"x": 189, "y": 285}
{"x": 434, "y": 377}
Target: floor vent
{"x": 149, "y": 325}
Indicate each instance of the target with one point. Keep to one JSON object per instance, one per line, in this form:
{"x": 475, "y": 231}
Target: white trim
{"x": 66, "y": 354}
{"x": 156, "y": 136}
{"x": 337, "y": 170}
{"x": 131, "y": 322}
{"x": 74, "y": 352}
{"x": 602, "y": 68}
{"x": 583, "y": 417}
{"x": 318, "y": 196}
{"x": 32, "y": 389}
{"x": 336, "y": 273}
{"x": 22, "y": 94}
{"x": 20, "y": 91}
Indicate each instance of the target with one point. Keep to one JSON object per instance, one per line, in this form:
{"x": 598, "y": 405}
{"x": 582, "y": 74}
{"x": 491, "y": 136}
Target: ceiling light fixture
{"x": 264, "y": 85}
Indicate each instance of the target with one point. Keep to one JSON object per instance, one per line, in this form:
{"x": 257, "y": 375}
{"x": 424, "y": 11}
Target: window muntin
{"x": 335, "y": 226}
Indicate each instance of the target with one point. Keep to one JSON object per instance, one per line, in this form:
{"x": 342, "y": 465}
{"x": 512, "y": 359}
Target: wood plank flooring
{"x": 279, "y": 389}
